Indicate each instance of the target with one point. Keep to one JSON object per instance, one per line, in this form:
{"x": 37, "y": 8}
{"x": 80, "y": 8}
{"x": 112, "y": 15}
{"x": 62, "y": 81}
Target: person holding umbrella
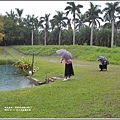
{"x": 104, "y": 62}
{"x": 67, "y": 58}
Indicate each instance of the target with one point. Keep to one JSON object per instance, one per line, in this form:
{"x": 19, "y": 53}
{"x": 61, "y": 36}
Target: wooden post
{"x": 32, "y": 62}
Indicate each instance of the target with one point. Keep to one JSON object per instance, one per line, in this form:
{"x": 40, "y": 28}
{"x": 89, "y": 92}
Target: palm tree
{"x": 110, "y": 16}
{"x": 31, "y": 23}
{"x": 52, "y": 24}
{"x": 34, "y": 23}
{"x": 12, "y": 15}
{"x": 73, "y": 8}
{"x": 92, "y": 16}
{"x": 118, "y": 24}
{"x": 80, "y": 21}
{"x": 26, "y": 22}
{"x": 46, "y": 27}
{"x": 59, "y": 21}
{"x": 69, "y": 24}
{"x": 19, "y": 14}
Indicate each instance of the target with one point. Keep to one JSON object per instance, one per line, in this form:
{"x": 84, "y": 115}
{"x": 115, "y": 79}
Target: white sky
{"x": 40, "y": 8}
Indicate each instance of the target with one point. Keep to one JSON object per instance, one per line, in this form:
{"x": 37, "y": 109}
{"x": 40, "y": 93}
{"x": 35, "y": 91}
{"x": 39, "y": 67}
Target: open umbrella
{"x": 64, "y": 53}
{"x": 102, "y": 59}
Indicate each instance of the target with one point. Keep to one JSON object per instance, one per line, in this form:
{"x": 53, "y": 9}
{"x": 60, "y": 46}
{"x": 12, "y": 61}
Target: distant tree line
{"x": 32, "y": 30}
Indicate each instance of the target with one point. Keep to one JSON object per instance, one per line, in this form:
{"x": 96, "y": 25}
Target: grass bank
{"x": 5, "y": 56}
{"x": 89, "y": 94}
{"x": 79, "y": 52}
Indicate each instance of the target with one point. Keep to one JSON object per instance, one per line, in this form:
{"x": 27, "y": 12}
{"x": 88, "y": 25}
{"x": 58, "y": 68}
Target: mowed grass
{"x": 89, "y": 94}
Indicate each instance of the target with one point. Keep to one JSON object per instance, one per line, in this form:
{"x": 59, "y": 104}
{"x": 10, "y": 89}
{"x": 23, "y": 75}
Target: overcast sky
{"x": 40, "y": 8}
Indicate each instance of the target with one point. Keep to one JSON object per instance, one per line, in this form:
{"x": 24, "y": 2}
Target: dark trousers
{"x": 101, "y": 66}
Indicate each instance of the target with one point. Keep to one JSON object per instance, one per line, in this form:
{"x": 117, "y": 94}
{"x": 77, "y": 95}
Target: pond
{"x": 11, "y": 80}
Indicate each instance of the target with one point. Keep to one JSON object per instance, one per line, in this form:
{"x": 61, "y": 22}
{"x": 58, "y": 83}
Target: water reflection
{"x": 10, "y": 79}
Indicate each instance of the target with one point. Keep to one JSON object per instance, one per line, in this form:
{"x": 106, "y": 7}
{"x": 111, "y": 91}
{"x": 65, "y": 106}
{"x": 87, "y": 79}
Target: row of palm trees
{"x": 61, "y": 20}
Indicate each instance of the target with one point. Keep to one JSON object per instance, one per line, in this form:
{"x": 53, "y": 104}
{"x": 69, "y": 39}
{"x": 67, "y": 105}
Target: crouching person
{"x": 104, "y": 63}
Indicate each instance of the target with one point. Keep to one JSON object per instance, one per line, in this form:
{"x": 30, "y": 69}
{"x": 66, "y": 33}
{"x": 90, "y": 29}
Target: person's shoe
{"x": 65, "y": 79}
{"x": 68, "y": 78}
{"x": 104, "y": 69}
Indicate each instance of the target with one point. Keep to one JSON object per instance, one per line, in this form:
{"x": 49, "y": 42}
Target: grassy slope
{"x": 89, "y": 94}
{"x": 79, "y": 52}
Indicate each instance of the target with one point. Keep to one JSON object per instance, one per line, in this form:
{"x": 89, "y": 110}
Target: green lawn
{"x": 89, "y": 94}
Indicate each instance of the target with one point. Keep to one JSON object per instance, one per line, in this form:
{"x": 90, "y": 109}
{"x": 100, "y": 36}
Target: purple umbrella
{"x": 64, "y": 53}
{"x": 102, "y": 59}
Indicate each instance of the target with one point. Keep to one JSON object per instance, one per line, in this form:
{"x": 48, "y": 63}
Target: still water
{"x": 11, "y": 80}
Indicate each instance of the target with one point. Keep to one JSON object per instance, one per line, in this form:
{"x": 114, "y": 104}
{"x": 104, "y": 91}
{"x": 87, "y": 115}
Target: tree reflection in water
{"x": 10, "y": 79}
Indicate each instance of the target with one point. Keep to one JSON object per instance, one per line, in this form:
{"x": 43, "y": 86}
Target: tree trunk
{"x": 91, "y": 39}
{"x": 45, "y": 37}
{"x": 112, "y": 37}
{"x": 32, "y": 38}
{"x": 59, "y": 37}
{"x": 74, "y": 33}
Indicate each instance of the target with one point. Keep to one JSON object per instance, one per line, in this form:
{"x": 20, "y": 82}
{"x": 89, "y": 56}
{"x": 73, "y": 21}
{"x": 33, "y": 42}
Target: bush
{"x": 24, "y": 65}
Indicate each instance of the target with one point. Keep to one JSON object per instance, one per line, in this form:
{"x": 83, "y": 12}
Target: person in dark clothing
{"x": 68, "y": 69}
{"x": 103, "y": 65}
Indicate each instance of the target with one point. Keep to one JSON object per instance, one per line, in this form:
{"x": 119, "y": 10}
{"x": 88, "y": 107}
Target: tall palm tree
{"x": 12, "y": 15}
{"x": 31, "y": 23}
{"x": 73, "y": 8}
{"x": 59, "y": 21}
{"x": 46, "y": 25}
{"x": 80, "y": 21}
{"x": 118, "y": 24}
{"x": 92, "y": 16}
{"x": 69, "y": 24}
{"x": 110, "y": 16}
{"x": 19, "y": 12}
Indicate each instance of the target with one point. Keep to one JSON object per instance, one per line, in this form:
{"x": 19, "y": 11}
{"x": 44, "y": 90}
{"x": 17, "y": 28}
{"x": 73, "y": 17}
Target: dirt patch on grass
{"x": 76, "y": 64}
{"x": 54, "y": 61}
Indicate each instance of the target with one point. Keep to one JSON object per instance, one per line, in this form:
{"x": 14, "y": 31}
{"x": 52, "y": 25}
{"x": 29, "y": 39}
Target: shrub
{"x": 24, "y": 65}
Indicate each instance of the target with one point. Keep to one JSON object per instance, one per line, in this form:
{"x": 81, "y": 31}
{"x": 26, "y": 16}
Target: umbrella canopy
{"x": 64, "y": 53}
{"x": 102, "y": 59}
